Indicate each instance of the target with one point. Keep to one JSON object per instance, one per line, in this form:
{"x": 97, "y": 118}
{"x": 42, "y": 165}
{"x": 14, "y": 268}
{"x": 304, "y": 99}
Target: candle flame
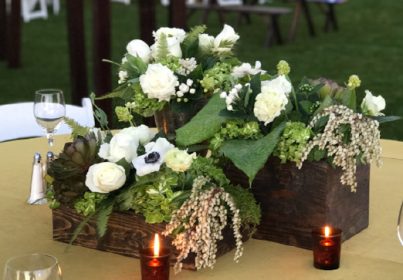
{"x": 156, "y": 245}
{"x": 327, "y": 231}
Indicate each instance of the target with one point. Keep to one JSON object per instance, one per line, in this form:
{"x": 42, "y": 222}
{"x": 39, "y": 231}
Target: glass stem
{"x": 49, "y": 136}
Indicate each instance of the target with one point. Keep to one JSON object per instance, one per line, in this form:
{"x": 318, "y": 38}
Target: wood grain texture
{"x": 295, "y": 201}
{"x": 127, "y": 233}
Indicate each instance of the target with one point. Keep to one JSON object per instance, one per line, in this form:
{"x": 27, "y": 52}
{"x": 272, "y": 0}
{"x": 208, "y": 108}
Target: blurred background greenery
{"x": 369, "y": 43}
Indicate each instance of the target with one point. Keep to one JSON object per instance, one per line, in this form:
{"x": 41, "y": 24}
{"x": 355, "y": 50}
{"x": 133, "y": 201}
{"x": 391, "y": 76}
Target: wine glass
{"x": 49, "y": 110}
{"x": 32, "y": 267}
{"x": 400, "y": 225}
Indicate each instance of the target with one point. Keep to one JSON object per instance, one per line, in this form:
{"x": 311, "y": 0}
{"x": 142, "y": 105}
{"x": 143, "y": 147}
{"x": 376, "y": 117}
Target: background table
{"x": 375, "y": 253}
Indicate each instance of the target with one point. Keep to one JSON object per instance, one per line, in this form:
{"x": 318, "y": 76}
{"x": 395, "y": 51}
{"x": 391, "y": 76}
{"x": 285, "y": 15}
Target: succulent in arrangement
{"x": 70, "y": 168}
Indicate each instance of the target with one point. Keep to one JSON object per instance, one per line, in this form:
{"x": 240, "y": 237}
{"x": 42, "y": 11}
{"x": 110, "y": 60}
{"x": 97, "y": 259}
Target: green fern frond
{"x": 103, "y": 218}
{"x": 77, "y": 129}
{"x": 190, "y": 45}
{"x": 163, "y": 49}
{"x": 78, "y": 230}
{"x": 193, "y": 34}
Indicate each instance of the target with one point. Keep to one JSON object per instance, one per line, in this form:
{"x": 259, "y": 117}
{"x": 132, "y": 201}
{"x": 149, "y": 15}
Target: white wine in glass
{"x": 49, "y": 110}
{"x": 400, "y": 225}
{"x": 32, "y": 267}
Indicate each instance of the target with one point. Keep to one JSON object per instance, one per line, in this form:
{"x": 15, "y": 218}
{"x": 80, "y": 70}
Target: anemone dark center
{"x": 152, "y": 157}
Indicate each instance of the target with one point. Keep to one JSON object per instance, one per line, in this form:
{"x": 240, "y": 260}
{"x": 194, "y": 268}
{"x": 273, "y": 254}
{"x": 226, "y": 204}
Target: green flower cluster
{"x": 217, "y": 78}
{"x": 172, "y": 62}
{"x": 123, "y": 114}
{"x": 145, "y": 106}
{"x": 237, "y": 129}
{"x": 88, "y": 204}
{"x": 293, "y": 142}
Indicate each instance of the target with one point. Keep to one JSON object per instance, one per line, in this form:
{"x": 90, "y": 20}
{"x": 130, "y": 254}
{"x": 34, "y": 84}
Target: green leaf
{"x": 204, "y": 125}
{"x": 385, "y": 119}
{"x": 102, "y": 219}
{"x": 136, "y": 65}
{"x": 255, "y": 85}
{"x": 122, "y": 162}
{"x": 325, "y": 103}
{"x": 99, "y": 114}
{"x": 251, "y": 155}
{"x": 349, "y": 99}
{"x": 306, "y": 106}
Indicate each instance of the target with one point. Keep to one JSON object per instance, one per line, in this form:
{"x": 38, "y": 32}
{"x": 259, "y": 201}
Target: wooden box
{"x": 294, "y": 201}
{"x": 127, "y": 233}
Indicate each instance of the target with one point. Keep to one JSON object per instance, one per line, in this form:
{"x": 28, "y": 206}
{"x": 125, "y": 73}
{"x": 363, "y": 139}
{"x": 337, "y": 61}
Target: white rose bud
{"x": 206, "y": 41}
{"x": 105, "y": 177}
{"x": 372, "y": 105}
{"x": 179, "y": 160}
{"x": 226, "y": 39}
{"x": 279, "y": 84}
{"x": 158, "y": 82}
{"x": 139, "y": 48}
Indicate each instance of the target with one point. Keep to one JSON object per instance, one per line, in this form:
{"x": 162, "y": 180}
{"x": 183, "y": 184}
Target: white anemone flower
{"x": 153, "y": 158}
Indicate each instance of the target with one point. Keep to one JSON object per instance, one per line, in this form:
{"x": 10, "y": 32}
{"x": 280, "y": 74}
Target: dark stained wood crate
{"x": 295, "y": 201}
{"x": 127, "y": 233}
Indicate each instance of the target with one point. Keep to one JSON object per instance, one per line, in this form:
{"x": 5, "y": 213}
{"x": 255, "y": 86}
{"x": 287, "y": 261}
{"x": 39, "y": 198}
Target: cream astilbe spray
{"x": 363, "y": 142}
{"x": 203, "y": 217}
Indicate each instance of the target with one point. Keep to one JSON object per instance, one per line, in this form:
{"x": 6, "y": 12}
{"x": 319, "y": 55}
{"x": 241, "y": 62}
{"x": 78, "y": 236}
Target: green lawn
{"x": 369, "y": 43}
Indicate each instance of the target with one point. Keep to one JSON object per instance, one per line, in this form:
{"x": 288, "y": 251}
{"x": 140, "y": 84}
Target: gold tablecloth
{"x": 375, "y": 253}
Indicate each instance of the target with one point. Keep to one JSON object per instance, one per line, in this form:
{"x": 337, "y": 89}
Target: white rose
{"x": 224, "y": 41}
{"x": 279, "y": 84}
{"x": 179, "y": 160}
{"x": 177, "y": 33}
{"x": 268, "y": 105}
{"x": 372, "y": 105}
{"x": 139, "y": 48}
{"x": 158, "y": 82}
{"x": 105, "y": 177}
{"x": 123, "y": 144}
{"x": 246, "y": 69}
{"x": 153, "y": 158}
{"x": 206, "y": 41}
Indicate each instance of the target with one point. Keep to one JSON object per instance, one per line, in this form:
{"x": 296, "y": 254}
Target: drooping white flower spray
{"x": 364, "y": 141}
{"x": 203, "y": 217}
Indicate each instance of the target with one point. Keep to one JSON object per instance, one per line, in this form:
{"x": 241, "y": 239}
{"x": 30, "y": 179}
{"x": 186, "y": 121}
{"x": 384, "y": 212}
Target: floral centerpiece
{"x": 174, "y": 77}
{"x": 260, "y": 115}
{"x": 136, "y": 170}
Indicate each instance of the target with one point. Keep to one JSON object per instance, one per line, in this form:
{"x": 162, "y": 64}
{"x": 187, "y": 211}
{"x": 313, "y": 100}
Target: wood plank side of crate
{"x": 127, "y": 233}
{"x": 295, "y": 201}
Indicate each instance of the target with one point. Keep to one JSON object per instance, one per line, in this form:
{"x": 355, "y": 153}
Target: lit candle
{"x": 154, "y": 261}
{"x": 326, "y": 247}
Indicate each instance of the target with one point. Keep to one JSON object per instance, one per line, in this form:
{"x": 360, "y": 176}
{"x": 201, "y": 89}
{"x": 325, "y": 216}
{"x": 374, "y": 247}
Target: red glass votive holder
{"x": 154, "y": 267}
{"x": 326, "y": 248}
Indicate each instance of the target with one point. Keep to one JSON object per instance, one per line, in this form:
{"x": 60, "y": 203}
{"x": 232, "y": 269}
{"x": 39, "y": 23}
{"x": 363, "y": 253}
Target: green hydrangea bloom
{"x": 283, "y": 68}
{"x": 235, "y": 130}
{"x": 293, "y": 142}
{"x": 88, "y": 204}
{"x": 143, "y": 105}
{"x": 353, "y": 82}
{"x": 123, "y": 114}
{"x": 217, "y": 78}
{"x": 172, "y": 62}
